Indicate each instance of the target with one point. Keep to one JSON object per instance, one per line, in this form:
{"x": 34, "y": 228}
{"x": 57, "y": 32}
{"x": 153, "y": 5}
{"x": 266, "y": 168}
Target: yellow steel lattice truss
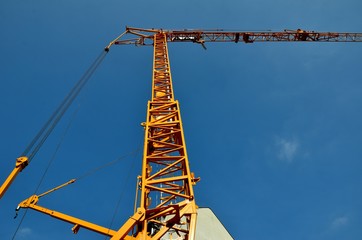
{"x": 165, "y": 173}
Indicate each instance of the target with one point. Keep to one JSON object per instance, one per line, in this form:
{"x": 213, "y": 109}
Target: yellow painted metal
{"x": 122, "y": 233}
{"x": 167, "y": 183}
{"x": 128, "y": 226}
{"x": 32, "y": 204}
{"x": 144, "y": 37}
{"x": 20, "y": 164}
{"x": 57, "y": 188}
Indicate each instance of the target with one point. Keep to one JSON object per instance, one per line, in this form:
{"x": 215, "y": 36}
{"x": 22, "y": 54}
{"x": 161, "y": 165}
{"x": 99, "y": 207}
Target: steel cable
{"x": 48, "y": 127}
{"x": 46, "y": 169}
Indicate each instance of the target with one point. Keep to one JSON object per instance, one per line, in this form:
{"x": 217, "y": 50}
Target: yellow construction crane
{"x": 165, "y": 165}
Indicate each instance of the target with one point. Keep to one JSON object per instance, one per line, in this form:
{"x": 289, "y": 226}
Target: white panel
{"x": 209, "y": 227}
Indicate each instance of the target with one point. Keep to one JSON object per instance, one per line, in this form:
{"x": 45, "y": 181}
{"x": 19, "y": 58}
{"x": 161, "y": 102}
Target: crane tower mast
{"x": 165, "y": 171}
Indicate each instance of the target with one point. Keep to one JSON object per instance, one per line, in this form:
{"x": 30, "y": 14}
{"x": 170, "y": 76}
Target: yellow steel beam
{"x": 32, "y": 204}
{"x": 20, "y": 164}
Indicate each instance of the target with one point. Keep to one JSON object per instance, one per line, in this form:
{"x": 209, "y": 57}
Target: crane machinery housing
{"x": 166, "y": 171}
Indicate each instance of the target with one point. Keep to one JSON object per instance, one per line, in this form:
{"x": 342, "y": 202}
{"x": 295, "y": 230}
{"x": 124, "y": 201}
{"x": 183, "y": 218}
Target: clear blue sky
{"x": 273, "y": 129}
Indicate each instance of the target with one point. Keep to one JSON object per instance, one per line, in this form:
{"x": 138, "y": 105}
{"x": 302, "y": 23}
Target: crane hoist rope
{"x": 38, "y": 141}
{"x": 48, "y": 127}
{"x": 118, "y": 159}
{"x": 51, "y": 160}
{"x": 93, "y": 171}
